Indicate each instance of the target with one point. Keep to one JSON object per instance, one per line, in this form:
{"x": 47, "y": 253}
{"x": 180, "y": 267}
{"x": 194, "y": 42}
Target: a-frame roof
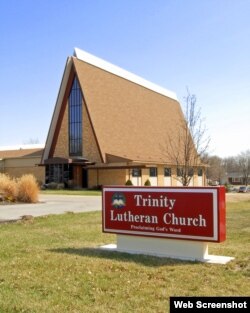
{"x": 131, "y": 117}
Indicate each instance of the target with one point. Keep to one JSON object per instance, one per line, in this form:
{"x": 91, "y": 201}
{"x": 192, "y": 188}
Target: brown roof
{"x": 129, "y": 120}
{"x": 21, "y": 153}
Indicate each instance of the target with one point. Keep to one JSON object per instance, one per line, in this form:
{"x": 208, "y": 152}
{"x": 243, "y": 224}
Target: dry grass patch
{"x": 28, "y": 189}
{"x": 24, "y": 189}
{"x": 8, "y": 187}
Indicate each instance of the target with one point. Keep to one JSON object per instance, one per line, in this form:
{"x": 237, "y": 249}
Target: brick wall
{"x": 90, "y": 148}
{"x": 16, "y": 167}
{"x": 106, "y": 177}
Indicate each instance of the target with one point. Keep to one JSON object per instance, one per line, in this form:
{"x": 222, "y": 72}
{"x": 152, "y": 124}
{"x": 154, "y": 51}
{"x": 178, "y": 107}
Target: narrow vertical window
{"x": 200, "y": 172}
{"x": 153, "y": 171}
{"x": 75, "y": 119}
{"x": 179, "y": 171}
{"x": 136, "y": 172}
{"x": 167, "y": 172}
{"x": 191, "y": 172}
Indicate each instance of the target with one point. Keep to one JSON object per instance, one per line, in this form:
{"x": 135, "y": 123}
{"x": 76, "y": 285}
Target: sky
{"x": 178, "y": 44}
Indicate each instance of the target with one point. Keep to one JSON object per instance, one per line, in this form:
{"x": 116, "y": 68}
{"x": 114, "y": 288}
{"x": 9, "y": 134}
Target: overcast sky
{"x": 200, "y": 44}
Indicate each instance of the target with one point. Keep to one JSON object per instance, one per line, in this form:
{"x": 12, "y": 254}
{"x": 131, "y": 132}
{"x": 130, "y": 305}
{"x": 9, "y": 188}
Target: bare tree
{"x": 216, "y": 171}
{"x": 244, "y": 164}
{"x": 190, "y": 142}
{"x": 231, "y": 164}
{"x": 31, "y": 141}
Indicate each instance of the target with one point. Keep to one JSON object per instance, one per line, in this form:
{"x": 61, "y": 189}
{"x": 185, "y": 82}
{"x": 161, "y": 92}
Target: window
{"x": 54, "y": 173}
{"x": 237, "y": 179}
{"x": 200, "y": 172}
{"x": 167, "y": 172}
{"x": 179, "y": 171}
{"x": 75, "y": 119}
{"x": 136, "y": 172}
{"x": 191, "y": 172}
{"x": 153, "y": 171}
{"x": 58, "y": 173}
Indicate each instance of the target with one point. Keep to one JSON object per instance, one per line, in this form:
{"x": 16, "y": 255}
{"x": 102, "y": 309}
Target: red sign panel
{"x": 188, "y": 213}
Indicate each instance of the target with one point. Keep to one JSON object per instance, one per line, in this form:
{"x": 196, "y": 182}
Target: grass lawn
{"x": 50, "y": 264}
{"x": 81, "y": 192}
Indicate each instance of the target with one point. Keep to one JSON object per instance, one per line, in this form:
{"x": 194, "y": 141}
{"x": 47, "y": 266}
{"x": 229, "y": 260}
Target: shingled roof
{"x": 21, "y": 153}
{"x": 131, "y": 117}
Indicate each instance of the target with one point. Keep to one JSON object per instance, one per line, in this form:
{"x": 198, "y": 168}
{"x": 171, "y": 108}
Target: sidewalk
{"x": 50, "y": 204}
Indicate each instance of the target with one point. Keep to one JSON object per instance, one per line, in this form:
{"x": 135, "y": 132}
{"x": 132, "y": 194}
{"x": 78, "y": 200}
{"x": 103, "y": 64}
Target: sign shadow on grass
{"x": 146, "y": 260}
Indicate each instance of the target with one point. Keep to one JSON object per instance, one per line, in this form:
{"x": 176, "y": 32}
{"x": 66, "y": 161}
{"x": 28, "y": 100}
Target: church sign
{"x": 187, "y": 213}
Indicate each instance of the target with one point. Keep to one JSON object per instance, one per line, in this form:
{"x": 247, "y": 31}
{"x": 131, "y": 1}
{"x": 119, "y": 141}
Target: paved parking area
{"x": 59, "y": 204}
{"x": 51, "y": 204}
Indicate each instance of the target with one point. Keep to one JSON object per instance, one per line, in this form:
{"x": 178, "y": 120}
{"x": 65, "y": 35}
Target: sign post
{"x": 175, "y": 222}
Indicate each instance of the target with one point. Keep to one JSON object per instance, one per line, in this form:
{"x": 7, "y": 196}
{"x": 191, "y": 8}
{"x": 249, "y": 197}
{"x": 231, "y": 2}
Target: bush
{"x": 52, "y": 186}
{"x": 129, "y": 183}
{"x": 60, "y": 186}
{"x": 8, "y": 187}
{"x": 28, "y": 189}
{"x": 147, "y": 183}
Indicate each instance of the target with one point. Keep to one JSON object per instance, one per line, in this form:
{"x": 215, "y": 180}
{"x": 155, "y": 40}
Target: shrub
{"x": 129, "y": 183}
{"x": 60, "y": 186}
{"x": 28, "y": 189}
{"x": 52, "y": 186}
{"x": 8, "y": 187}
{"x": 147, "y": 183}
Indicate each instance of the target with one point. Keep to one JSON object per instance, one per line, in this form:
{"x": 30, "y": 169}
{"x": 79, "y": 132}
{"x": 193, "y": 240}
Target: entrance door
{"x": 84, "y": 178}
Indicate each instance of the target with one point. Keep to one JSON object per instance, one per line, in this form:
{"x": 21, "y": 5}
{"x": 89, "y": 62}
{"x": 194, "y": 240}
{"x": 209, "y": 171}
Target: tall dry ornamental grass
{"x": 24, "y": 189}
{"x": 28, "y": 189}
{"x": 8, "y": 187}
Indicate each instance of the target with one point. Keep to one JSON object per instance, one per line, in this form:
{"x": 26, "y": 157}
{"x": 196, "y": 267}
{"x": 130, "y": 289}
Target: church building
{"x": 110, "y": 126}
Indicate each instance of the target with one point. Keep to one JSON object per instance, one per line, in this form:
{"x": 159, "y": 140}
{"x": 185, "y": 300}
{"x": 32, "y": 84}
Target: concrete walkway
{"x": 51, "y": 204}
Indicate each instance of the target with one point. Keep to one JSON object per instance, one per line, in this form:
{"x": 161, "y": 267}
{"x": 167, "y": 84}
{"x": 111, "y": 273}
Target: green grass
{"x": 81, "y": 192}
{"x": 51, "y": 264}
